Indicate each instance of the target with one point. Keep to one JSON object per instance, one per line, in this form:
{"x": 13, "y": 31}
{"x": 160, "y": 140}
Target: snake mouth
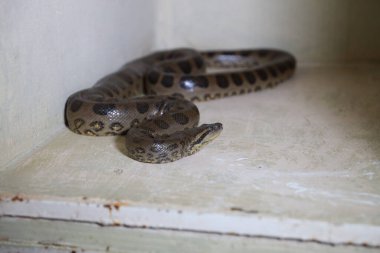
{"x": 213, "y": 132}
{"x": 206, "y": 134}
{"x": 210, "y": 132}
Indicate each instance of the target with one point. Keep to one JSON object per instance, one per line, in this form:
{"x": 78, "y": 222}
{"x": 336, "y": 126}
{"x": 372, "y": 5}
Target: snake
{"x": 151, "y": 100}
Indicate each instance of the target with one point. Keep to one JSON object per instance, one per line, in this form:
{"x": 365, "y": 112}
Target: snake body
{"x": 150, "y": 99}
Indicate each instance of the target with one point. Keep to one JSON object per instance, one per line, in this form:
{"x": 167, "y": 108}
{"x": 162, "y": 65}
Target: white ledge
{"x": 122, "y": 214}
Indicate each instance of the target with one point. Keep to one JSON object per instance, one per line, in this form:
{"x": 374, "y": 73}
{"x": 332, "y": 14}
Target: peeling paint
{"x": 239, "y": 209}
{"x": 17, "y": 198}
{"x": 250, "y": 224}
{"x": 115, "y": 205}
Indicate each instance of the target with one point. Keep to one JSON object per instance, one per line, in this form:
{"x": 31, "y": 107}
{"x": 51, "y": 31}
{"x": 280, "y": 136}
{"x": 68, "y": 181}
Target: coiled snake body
{"x": 149, "y": 99}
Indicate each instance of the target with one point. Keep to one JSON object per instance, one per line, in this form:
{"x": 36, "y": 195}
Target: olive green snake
{"x": 150, "y": 100}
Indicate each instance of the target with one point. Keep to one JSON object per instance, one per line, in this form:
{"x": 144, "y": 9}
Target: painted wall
{"x": 316, "y": 31}
{"x": 49, "y": 49}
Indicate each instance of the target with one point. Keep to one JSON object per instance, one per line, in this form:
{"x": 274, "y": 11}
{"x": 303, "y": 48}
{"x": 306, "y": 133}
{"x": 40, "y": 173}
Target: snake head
{"x": 204, "y": 134}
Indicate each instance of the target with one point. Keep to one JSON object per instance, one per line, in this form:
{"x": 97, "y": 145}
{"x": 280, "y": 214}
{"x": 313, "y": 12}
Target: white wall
{"x": 316, "y": 31}
{"x": 51, "y": 48}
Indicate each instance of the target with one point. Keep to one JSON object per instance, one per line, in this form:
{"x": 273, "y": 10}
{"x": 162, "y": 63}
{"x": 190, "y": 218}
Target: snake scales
{"x": 149, "y": 99}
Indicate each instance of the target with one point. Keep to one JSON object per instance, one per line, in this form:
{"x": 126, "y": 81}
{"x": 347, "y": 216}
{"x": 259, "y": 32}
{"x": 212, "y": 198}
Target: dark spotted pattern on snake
{"x": 150, "y": 99}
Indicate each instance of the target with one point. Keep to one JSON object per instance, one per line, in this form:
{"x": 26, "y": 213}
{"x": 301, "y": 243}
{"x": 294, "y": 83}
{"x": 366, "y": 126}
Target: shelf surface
{"x": 302, "y": 158}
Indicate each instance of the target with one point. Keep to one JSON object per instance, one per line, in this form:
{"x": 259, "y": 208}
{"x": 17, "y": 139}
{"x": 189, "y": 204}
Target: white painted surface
{"x": 62, "y": 236}
{"x": 314, "y": 30}
{"x": 302, "y": 155}
{"x": 49, "y": 49}
{"x": 305, "y": 154}
{"x": 53, "y": 48}
{"x": 254, "y": 225}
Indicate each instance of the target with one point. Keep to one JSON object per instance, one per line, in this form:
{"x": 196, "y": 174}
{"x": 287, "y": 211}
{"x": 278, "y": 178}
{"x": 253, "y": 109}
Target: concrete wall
{"x": 316, "y": 31}
{"x": 49, "y": 49}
